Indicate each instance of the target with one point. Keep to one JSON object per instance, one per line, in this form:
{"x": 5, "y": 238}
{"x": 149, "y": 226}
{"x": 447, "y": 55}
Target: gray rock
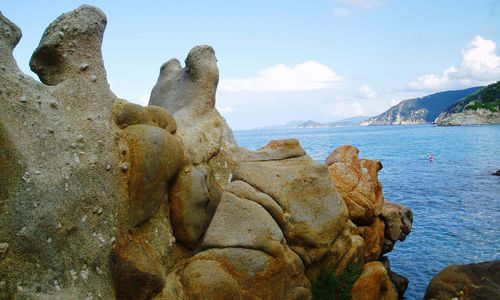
{"x": 240, "y": 223}
{"x": 398, "y": 221}
{"x": 315, "y": 213}
{"x": 189, "y": 94}
{"x": 52, "y": 178}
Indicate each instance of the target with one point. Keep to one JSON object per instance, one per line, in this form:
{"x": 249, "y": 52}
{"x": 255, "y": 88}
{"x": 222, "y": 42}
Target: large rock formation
{"x": 466, "y": 282}
{"x": 101, "y": 198}
{"x": 374, "y": 283}
{"x": 380, "y": 223}
{"x": 79, "y": 172}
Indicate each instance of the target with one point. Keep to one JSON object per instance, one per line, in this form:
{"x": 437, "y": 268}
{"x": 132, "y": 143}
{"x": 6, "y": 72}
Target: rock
{"x": 60, "y": 157}
{"x": 314, "y": 213}
{"x": 135, "y": 276}
{"x": 155, "y": 157}
{"x": 246, "y": 191}
{"x": 59, "y": 57}
{"x": 357, "y": 181}
{"x": 471, "y": 281}
{"x": 373, "y": 236}
{"x": 10, "y": 35}
{"x": 128, "y": 114}
{"x": 398, "y": 221}
{"x": 348, "y": 249}
{"x": 400, "y": 282}
{"x": 62, "y": 189}
{"x": 3, "y": 250}
{"x": 277, "y": 150}
{"x": 469, "y": 117}
{"x": 108, "y": 199}
{"x": 240, "y": 223}
{"x": 374, "y": 283}
{"x": 189, "y": 94}
{"x": 194, "y": 196}
{"x": 238, "y": 273}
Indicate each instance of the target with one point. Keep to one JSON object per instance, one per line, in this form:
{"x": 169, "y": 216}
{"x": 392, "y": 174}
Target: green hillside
{"x": 420, "y": 110}
{"x": 487, "y": 98}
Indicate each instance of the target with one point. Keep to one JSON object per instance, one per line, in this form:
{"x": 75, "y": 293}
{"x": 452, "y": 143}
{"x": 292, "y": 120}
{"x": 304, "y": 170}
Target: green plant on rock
{"x": 329, "y": 286}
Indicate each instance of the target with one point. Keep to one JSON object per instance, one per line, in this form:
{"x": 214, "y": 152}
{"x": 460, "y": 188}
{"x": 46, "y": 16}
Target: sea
{"x": 455, "y": 198}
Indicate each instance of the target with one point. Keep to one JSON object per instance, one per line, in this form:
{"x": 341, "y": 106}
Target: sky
{"x": 284, "y": 60}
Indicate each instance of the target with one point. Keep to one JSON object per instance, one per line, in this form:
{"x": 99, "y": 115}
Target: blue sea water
{"x": 455, "y": 199}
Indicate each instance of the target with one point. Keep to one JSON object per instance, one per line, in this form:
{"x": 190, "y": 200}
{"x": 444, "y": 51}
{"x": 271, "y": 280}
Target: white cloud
{"x": 366, "y": 92}
{"x": 309, "y": 75}
{"x": 346, "y": 7}
{"x": 363, "y": 4}
{"x": 345, "y": 108}
{"x": 358, "y": 109}
{"x": 341, "y": 11}
{"x": 480, "y": 65}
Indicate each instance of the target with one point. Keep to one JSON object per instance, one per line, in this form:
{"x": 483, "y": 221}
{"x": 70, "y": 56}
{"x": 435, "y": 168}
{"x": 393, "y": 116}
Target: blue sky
{"x": 282, "y": 60}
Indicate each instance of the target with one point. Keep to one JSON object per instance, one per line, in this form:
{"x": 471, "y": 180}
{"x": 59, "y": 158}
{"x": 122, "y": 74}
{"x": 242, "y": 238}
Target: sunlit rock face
{"x": 102, "y": 198}
{"x": 378, "y": 222}
{"x": 79, "y": 175}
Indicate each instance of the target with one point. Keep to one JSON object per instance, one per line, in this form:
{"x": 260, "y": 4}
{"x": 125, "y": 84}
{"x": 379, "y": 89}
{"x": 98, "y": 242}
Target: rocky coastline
{"x": 104, "y": 199}
{"x": 469, "y": 117}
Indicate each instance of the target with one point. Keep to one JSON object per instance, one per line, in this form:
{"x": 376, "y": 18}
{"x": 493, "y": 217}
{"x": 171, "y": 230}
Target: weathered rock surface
{"x": 373, "y": 236}
{"x": 238, "y": 273}
{"x": 472, "y": 281}
{"x": 77, "y": 171}
{"x": 398, "y": 221}
{"x": 102, "y": 198}
{"x": 194, "y": 196}
{"x": 240, "y": 223}
{"x": 348, "y": 249}
{"x": 469, "y": 117}
{"x": 189, "y": 94}
{"x": 357, "y": 181}
{"x": 380, "y": 223}
{"x": 374, "y": 283}
{"x": 400, "y": 282}
{"x": 314, "y": 213}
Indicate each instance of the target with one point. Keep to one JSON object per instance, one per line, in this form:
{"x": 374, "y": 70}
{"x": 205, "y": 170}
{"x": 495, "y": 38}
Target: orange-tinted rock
{"x": 374, "y": 283}
{"x": 466, "y": 282}
{"x": 277, "y": 149}
{"x": 238, "y": 273}
{"x": 373, "y": 236}
{"x": 135, "y": 270}
{"x": 193, "y": 197}
{"x": 155, "y": 157}
{"x": 348, "y": 249}
{"x": 314, "y": 214}
{"x": 357, "y": 181}
{"x": 128, "y": 114}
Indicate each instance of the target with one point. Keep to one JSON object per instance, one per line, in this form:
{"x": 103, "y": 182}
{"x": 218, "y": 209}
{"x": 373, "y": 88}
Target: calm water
{"x": 455, "y": 200}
